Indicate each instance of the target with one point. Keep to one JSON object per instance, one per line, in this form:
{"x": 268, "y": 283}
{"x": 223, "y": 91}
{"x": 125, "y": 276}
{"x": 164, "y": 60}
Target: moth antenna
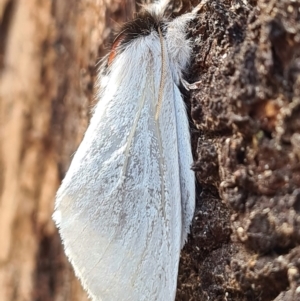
{"x": 162, "y": 76}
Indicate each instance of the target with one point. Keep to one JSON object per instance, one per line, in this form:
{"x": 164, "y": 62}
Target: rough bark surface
{"x": 246, "y": 233}
{"x": 245, "y": 236}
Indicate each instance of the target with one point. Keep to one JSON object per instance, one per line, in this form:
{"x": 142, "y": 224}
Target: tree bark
{"x": 48, "y": 55}
{"x": 246, "y": 112}
{"x": 245, "y": 125}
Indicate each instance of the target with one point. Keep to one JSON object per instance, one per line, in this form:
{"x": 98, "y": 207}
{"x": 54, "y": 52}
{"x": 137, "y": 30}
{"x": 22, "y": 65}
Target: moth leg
{"x": 193, "y": 86}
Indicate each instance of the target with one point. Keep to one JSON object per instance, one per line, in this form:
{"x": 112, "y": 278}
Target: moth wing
{"x": 119, "y": 207}
{"x": 179, "y": 48}
{"x": 187, "y": 176}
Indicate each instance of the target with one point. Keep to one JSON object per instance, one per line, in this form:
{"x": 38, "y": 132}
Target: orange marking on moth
{"x": 114, "y": 47}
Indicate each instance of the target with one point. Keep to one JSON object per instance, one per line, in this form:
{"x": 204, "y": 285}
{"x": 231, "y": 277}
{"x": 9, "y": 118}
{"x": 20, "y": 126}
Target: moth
{"x": 125, "y": 206}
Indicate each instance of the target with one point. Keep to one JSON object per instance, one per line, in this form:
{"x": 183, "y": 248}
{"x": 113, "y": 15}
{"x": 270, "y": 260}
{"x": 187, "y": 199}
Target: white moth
{"x": 126, "y": 204}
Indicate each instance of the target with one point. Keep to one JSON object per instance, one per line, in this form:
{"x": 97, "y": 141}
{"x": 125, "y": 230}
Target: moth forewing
{"x": 126, "y": 204}
{"x": 187, "y": 177}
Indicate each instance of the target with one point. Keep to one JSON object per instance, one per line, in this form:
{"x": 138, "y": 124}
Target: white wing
{"x": 187, "y": 177}
{"x": 179, "y": 49}
{"x": 119, "y": 207}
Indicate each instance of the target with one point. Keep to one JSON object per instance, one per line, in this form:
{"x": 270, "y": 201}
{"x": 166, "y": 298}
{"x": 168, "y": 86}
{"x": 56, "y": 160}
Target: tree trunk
{"x": 48, "y": 55}
{"x": 245, "y": 236}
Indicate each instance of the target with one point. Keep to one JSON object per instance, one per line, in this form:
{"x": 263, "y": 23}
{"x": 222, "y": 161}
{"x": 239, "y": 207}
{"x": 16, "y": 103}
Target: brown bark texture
{"x": 245, "y": 126}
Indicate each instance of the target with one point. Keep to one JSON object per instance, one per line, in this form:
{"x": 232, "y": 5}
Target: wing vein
{"x": 131, "y": 134}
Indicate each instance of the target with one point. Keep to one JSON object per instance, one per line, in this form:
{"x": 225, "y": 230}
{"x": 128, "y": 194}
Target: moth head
{"x": 153, "y": 19}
